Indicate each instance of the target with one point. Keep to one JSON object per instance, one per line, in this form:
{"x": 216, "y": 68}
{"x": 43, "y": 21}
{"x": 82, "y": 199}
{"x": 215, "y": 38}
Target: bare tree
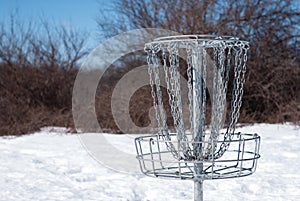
{"x": 40, "y": 44}
{"x": 38, "y": 67}
{"x": 272, "y": 27}
{"x": 14, "y": 47}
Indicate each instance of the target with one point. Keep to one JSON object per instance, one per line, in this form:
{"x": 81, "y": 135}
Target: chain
{"x": 243, "y": 59}
{"x": 237, "y": 93}
{"x": 190, "y": 89}
{"x": 190, "y": 98}
{"x": 159, "y": 93}
{"x": 219, "y": 98}
{"x": 226, "y": 54}
{"x": 153, "y": 71}
{"x": 153, "y": 94}
{"x": 175, "y": 98}
{"x": 204, "y": 53}
{"x": 170, "y": 145}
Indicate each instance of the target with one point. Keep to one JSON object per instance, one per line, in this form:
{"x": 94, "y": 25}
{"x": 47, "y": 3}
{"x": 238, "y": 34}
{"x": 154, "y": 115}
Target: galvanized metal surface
{"x": 210, "y": 62}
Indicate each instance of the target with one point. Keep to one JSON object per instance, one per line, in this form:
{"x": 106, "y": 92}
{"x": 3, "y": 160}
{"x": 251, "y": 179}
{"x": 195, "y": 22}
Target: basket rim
{"x": 195, "y": 38}
{"x": 159, "y": 138}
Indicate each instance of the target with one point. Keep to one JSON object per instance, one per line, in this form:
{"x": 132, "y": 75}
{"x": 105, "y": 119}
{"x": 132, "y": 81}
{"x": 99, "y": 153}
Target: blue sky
{"x": 79, "y": 14}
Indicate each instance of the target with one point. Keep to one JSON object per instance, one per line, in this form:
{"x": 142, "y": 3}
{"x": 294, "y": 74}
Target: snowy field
{"x": 53, "y": 165}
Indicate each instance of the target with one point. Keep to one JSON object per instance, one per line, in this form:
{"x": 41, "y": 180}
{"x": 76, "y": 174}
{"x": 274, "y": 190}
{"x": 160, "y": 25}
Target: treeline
{"x": 38, "y": 66}
{"x": 39, "y": 61}
{"x": 272, "y": 89}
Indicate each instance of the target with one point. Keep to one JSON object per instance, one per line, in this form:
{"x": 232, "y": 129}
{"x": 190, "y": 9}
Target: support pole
{"x": 198, "y": 190}
{"x": 198, "y": 122}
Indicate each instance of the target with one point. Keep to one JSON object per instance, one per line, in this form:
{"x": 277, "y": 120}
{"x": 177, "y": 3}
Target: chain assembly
{"x": 203, "y": 60}
{"x": 203, "y": 76}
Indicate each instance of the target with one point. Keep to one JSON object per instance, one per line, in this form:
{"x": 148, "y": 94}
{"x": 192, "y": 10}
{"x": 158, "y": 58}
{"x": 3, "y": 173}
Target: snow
{"x": 53, "y": 165}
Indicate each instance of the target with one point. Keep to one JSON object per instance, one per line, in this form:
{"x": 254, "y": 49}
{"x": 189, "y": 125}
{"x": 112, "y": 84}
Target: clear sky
{"x": 79, "y": 14}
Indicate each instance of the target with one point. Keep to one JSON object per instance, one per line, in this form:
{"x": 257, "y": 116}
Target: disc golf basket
{"x": 188, "y": 148}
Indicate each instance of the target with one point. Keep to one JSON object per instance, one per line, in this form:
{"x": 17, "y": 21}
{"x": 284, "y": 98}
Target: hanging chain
{"x": 153, "y": 94}
{"x": 170, "y": 145}
{"x": 190, "y": 90}
{"x": 153, "y": 70}
{"x": 226, "y": 54}
{"x": 219, "y": 98}
{"x": 175, "y": 98}
{"x": 240, "y": 59}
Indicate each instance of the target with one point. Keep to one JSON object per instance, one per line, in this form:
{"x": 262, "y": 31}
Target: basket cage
{"x": 157, "y": 161}
{"x": 193, "y": 152}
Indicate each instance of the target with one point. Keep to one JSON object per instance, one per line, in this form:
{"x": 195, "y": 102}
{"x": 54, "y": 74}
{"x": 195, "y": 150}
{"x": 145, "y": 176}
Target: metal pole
{"x": 198, "y": 190}
{"x": 198, "y": 125}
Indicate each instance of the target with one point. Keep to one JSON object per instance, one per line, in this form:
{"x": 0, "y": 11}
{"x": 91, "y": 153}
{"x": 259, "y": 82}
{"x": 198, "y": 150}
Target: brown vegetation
{"x": 32, "y": 98}
{"x": 272, "y": 89}
{"x": 38, "y": 66}
{"x": 37, "y": 72}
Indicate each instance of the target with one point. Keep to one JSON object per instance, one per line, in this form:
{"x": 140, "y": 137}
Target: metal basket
{"x": 239, "y": 160}
{"x": 213, "y": 64}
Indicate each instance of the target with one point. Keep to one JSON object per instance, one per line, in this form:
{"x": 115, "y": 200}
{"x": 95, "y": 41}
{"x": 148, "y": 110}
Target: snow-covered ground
{"x": 52, "y": 165}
